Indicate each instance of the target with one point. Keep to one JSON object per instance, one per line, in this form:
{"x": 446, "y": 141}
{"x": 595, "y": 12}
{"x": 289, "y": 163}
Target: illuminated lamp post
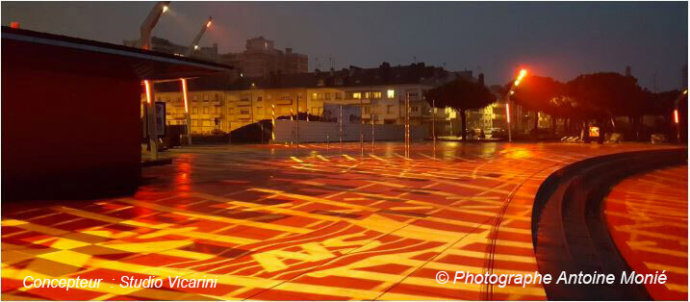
{"x": 188, "y": 117}
{"x": 273, "y": 122}
{"x": 516, "y": 83}
{"x": 676, "y": 115}
{"x": 407, "y": 124}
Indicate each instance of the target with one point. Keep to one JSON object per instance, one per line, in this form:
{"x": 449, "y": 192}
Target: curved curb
{"x": 569, "y": 232}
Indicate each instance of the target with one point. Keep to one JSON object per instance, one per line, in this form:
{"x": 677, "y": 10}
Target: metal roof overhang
{"x": 99, "y": 58}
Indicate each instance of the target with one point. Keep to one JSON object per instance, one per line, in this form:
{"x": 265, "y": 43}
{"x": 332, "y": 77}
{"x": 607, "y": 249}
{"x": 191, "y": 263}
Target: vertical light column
{"x": 273, "y": 122}
{"x": 188, "y": 117}
{"x": 407, "y": 124}
{"x": 510, "y": 138}
{"x": 340, "y": 128}
{"x": 676, "y": 120}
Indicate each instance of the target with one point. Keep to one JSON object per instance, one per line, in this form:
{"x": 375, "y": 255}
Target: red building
{"x": 71, "y": 113}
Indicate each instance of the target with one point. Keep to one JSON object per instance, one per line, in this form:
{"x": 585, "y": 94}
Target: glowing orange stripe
{"x": 184, "y": 95}
{"x": 676, "y": 118}
{"x": 508, "y": 112}
{"x": 148, "y": 91}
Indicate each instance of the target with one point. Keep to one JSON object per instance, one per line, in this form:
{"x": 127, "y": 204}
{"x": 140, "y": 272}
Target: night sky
{"x": 560, "y": 40}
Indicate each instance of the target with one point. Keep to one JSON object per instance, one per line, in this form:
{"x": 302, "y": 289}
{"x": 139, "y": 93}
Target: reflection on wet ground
{"x": 313, "y": 221}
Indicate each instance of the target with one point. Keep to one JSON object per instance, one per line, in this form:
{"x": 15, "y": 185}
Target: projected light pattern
{"x": 310, "y": 222}
{"x": 647, "y": 216}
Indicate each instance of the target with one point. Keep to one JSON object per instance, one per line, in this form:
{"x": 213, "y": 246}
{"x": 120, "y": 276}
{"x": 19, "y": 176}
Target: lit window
{"x": 367, "y": 95}
{"x": 390, "y": 93}
{"x": 377, "y": 94}
{"x": 357, "y": 95}
{"x": 314, "y": 96}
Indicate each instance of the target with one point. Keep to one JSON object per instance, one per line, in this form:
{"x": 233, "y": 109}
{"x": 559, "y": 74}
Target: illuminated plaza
{"x": 332, "y": 151}
{"x": 313, "y": 222}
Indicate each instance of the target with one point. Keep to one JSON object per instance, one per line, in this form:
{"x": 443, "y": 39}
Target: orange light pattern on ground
{"x": 315, "y": 222}
{"x": 647, "y": 216}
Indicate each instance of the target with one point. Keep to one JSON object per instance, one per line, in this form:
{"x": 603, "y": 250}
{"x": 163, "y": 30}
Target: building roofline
{"x": 30, "y": 36}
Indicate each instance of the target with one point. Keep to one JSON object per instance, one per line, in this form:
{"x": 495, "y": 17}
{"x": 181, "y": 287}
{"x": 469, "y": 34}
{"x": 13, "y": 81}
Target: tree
{"x": 461, "y": 94}
{"x": 543, "y": 94}
{"x": 604, "y": 96}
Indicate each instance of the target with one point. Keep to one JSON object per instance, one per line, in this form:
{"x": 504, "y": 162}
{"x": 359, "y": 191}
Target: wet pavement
{"x": 647, "y": 215}
{"x": 299, "y": 223}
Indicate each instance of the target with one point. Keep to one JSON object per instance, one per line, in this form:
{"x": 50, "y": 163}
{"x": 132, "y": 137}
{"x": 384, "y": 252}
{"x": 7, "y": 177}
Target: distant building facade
{"x": 378, "y": 93}
{"x": 261, "y": 59}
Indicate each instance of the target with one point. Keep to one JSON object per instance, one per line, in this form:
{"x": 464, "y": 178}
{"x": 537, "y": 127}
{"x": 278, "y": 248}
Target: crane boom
{"x": 150, "y": 22}
{"x": 195, "y": 43}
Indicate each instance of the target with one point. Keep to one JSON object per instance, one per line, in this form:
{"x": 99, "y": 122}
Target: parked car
{"x": 498, "y": 133}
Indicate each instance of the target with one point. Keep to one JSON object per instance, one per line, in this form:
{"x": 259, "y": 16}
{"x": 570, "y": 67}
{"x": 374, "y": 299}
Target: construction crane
{"x": 150, "y": 22}
{"x": 195, "y": 43}
{"x": 145, "y": 43}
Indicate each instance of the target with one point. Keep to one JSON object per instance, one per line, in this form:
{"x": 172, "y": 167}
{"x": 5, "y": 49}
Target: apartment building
{"x": 225, "y": 103}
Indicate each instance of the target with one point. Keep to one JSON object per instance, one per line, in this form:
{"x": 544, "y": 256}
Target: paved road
{"x": 308, "y": 222}
{"x": 647, "y": 217}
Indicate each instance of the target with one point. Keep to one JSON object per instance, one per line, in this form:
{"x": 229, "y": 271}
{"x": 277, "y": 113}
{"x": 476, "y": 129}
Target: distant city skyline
{"x": 554, "y": 39}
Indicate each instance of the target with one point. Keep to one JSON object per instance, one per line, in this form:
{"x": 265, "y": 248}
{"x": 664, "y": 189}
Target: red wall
{"x": 70, "y": 124}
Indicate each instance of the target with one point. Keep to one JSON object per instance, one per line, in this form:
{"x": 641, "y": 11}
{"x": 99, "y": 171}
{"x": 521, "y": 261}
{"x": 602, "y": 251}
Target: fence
{"x": 319, "y": 132}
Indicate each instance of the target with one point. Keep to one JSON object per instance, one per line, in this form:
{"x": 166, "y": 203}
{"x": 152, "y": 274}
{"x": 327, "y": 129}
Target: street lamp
{"x": 516, "y": 83}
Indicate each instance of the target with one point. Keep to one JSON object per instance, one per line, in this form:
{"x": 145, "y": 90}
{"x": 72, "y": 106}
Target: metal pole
{"x": 341, "y": 128}
{"x": 251, "y": 104}
{"x": 297, "y": 103}
{"x": 292, "y": 132}
{"x": 433, "y": 124}
{"x": 371, "y": 115}
{"x": 361, "y": 119}
{"x": 151, "y": 120}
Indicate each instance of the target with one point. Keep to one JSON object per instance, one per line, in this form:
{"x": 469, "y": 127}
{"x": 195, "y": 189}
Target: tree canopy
{"x": 461, "y": 94}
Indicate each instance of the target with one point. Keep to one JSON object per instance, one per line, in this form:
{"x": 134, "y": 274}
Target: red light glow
{"x": 148, "y": 91}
